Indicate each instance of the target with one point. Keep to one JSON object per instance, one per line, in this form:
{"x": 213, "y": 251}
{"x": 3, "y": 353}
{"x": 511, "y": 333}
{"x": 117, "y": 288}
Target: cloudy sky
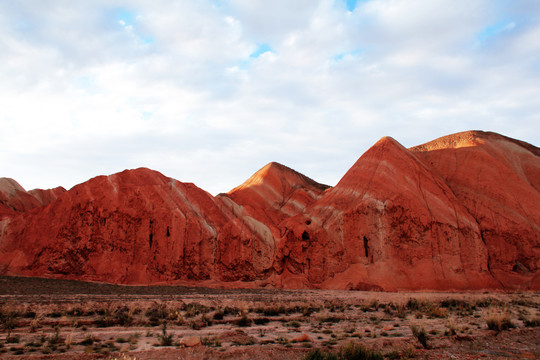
{"x": 209, "y": 91}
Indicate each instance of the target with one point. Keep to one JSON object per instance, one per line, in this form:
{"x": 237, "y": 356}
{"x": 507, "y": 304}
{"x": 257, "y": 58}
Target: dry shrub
{"x": 244, "y": 320}
{"x": 535, "y": 321}
{"x": 437, "y": 312}
{"x": 420, "y": 334}
{"x": 498, "y": 319}
{"x": 350, "y": 351}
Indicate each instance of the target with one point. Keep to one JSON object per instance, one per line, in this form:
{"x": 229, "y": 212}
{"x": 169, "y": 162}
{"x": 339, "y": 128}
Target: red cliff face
{"x": 460, "y": 212}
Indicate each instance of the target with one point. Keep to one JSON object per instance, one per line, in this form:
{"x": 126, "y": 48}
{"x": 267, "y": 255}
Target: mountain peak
{"x": 385, "y": 151}
{"x": 273, "y": 173}
{"x": 387, "y": 140}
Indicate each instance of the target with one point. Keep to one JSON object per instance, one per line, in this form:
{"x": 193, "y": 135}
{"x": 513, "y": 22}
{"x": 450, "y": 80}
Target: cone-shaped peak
{"x": 387, "y": 140}
{"x": 386, "y": 150}
{"x": 275, "y": 173}
{"x": 276, "y": 192}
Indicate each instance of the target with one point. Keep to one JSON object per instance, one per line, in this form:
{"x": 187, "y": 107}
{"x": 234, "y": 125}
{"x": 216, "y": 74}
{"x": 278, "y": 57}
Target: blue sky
{"x": 209, "y": 91}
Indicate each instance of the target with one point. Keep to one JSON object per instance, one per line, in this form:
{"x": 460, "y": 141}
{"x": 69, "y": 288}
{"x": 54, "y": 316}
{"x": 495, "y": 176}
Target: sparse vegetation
{"x": 101, "y": 326}
{"x": 533, "y": 322}
{"x": 420, "y": 334}
{"x": 244, "y": 320}
{"x": 350, "y": 351}
{"x": 165, "y": 339}
{"x": 212, "y": 341}
{"x": 498, "y": 319}
{"x": 318, "y": 354}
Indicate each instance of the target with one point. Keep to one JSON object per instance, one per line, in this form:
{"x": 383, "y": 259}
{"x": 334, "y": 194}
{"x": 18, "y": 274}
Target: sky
{"x": 209, "y": 91}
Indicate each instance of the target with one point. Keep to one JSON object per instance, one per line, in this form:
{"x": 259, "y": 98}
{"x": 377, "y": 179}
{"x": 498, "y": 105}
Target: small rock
{"x": 302, "y": 338}
{"x": 190, "y": 341}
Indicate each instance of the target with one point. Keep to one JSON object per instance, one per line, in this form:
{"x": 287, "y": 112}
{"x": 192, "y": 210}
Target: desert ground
{"x": 62, "y": 319}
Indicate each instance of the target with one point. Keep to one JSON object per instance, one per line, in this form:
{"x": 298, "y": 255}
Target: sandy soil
{"x": 51, "y": 319}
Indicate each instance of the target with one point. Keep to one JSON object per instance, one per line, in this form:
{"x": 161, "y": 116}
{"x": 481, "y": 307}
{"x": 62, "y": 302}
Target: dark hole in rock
{"x": 520, "y": 268}
{"x": 366, "y": 246}
{"x": 305, "y": 235}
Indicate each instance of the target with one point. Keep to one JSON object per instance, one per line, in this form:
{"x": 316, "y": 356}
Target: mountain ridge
{"x": 459, "y": 212}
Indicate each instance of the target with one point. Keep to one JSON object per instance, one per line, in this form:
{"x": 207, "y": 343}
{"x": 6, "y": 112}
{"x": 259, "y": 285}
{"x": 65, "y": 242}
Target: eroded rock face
{"x": 389, "y": 223}
{"x": 497, "y": 179}
{"x": 460, "y": 212}
{"x": 137, "y": 226}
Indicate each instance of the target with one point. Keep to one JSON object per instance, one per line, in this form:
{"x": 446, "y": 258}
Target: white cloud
{"x": 95, "y": 87}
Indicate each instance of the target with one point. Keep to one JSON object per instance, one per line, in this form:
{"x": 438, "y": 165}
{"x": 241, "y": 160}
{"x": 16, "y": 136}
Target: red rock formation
{"x": 275, "y": 193}
{"x": 498, "y": 180}
{"x": 460, "y": 212}
{"x": 137, "y": 226}
{"x": 389, "y": 223}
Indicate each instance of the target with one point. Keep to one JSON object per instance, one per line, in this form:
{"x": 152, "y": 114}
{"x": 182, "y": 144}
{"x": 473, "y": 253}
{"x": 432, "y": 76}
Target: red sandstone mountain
{"x": 389, "y": 223}
{"x": 497, "y": 179}
{"x": 460, "y": 212}
{"x": 136, "y": 226}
